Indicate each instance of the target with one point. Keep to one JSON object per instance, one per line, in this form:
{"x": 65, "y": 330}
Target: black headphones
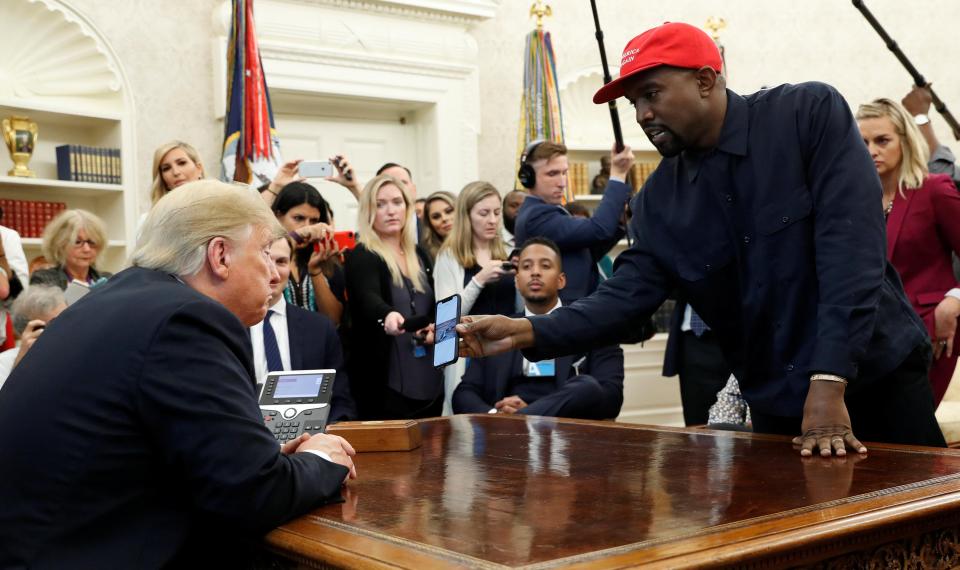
{"x": 526, "y": 174}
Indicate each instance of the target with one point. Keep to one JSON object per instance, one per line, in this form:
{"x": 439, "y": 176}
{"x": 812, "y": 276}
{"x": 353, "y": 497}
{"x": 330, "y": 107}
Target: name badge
{"x": 542, "y": 368}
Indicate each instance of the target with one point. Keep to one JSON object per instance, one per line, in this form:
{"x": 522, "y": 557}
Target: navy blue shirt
{"x": 776, "y": 238}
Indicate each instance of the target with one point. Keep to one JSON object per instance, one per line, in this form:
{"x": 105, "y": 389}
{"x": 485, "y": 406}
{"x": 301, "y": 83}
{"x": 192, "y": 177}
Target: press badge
{"x": 542, "y": 368}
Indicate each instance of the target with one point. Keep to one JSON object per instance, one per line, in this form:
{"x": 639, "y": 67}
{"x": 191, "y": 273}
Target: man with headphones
{"x": 543, "y": 171}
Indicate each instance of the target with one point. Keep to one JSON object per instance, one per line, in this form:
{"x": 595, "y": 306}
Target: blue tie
{"x": 696, "y": 324}
{"x": 270, "y": 347}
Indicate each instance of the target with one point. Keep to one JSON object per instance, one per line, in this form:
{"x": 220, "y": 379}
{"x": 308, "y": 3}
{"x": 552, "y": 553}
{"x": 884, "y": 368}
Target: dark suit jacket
{"x": 487, "y": 380}
{"x": 671, "y": 354}
{"x": 922, "y": 231}
{"x": 315, "y": 345}
{"x": 132, "y": 427}
{"x": 579, "y": 239}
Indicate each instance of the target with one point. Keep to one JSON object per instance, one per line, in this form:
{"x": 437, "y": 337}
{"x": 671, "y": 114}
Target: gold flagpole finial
{"x": 715, "y": 25}
{"x": 540, "y": 10}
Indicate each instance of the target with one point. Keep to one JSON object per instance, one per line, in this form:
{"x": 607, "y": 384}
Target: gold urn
{"x": 20, "y": 134}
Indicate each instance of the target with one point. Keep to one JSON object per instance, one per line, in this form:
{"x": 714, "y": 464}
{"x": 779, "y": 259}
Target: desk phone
{"x": 296, "y": 401}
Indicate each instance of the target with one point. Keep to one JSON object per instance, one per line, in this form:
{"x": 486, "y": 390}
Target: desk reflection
{"x": 526, "y": 490}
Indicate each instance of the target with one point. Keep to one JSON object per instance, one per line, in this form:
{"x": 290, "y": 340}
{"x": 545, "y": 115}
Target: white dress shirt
{"x": 278, "y": 320}
{"x": 7, "y": 358}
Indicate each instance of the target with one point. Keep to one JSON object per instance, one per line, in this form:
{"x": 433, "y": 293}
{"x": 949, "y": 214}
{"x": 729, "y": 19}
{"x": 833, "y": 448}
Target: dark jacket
{"x": 315, "y": 345}
{"x": 488, "y": 380}
{"x": 132, "y": 427}
{"x": 370, "y": 300}
{"x": 57, "y": 276}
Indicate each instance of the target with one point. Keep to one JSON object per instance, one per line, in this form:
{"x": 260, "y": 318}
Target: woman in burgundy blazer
{"x": 923, "y": 227}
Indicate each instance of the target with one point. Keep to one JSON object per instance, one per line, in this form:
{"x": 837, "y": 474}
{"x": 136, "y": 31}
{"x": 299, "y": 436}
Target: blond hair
{"x": 371, "y": 240}
{"x": 431, "y": 240}
{"x": 178, "y": 228}
{"x": 61, "y": 233}
{"x": 460, "y": 241}
{"x": 913, "y": 165}
{"x": 159, "y": 188}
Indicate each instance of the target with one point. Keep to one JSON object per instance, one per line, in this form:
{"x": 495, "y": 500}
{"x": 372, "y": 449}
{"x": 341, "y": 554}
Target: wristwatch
{"x": 921, "y": 119}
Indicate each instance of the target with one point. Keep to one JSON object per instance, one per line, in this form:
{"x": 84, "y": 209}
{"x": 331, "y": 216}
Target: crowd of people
{"x": 767, "y": 230}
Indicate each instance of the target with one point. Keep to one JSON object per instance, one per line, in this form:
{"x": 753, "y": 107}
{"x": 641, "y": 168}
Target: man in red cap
{"x": 756, "y": 217}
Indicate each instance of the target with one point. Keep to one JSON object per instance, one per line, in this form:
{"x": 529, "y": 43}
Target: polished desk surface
{"x": 510, "y": 491}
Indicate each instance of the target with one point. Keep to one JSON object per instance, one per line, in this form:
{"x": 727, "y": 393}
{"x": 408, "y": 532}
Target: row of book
{"x": 580, "y": 182}
{"x": 29, "y": 217}
{"x": 81, "y": 163}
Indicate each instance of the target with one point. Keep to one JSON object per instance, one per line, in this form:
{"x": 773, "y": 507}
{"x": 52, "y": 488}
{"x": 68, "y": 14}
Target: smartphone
{"x": 315, "y": 169}
{"x": 508, "y": 266}
{"x": 346, "y": 240}
{"x": 446, "y": 344}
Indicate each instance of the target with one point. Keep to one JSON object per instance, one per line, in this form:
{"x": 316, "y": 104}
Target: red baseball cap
{"x": 673, "y": 43}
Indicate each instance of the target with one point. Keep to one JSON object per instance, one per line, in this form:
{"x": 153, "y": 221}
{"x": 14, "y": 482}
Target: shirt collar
{"x": 733, "y": 136}
{"x": 280, "y": 307}
{"x": 527, "y": 313}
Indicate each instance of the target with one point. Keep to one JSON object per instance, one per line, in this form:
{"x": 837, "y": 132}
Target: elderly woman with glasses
{"x": 73, "y": 242}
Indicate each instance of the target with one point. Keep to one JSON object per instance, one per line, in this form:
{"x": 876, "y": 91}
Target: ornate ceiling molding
{"x": 453, "y": 11}
{"x": 50, "y": 51}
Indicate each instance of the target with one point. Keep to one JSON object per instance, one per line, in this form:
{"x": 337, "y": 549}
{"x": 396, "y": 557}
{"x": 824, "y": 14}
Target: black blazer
{"x": 132, "y": 427}
{"x": 370, "y": 300}
{"x": 487, "y": 380}
{"x": 315, "y": 345}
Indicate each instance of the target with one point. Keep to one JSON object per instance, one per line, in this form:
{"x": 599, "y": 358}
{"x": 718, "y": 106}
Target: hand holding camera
{"x": 493, "y": 271}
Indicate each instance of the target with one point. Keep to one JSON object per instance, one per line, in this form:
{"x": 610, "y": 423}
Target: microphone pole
{"x": 918, "y": 79}
{"x": 614, "y": 117}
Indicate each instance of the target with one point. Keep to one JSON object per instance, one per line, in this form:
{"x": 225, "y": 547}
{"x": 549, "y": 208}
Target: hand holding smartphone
{"x": 446, "y": 344}
{"x": 315, "y": 169}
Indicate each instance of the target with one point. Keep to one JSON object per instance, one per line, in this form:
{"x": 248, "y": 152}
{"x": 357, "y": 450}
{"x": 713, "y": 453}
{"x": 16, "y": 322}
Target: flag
{"x": 251, "y": 149}
{"x": 540, "y": 115}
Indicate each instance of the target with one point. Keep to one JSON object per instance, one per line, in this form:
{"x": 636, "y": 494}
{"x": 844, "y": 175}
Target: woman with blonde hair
{"x": 73, "y": 241}
{"x": 473, "y": 263}
{"x": 388, "y": 282}
{"x": 438, "y": 215}
{"x": 174, "y": 164}
{"x": 923, "y": 227}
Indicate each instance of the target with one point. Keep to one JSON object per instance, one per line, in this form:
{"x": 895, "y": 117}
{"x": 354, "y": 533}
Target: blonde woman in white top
{"x": 473, "y": 263}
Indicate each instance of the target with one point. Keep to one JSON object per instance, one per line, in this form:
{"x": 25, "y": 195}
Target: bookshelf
{"x": 87, "y": 104}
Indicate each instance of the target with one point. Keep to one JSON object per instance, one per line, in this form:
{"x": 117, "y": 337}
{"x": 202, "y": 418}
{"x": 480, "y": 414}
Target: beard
{"x": 669, "y": 144}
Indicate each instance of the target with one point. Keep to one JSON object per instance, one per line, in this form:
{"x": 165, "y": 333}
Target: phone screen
{"x": 446, "y": 347}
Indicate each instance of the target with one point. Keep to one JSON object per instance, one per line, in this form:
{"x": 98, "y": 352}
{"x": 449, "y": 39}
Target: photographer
{"x": 316, "y": 278}
{"x": 544, "y": 171}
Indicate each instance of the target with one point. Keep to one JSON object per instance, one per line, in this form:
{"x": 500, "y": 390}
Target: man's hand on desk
{"x": 826, "y": 422}
{"x": 338, "y": 449}
{"x": 488, "y": 335}
{"x": 510, "y": 405}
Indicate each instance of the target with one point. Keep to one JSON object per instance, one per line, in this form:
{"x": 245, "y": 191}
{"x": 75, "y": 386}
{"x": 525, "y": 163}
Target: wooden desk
{"x": 505, "y": 492}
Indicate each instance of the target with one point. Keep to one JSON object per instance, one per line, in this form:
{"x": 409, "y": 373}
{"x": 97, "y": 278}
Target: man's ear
{"x": 707, "y": 80}
{"x": 561, "y": 281}
{"x": 219, "y": 257}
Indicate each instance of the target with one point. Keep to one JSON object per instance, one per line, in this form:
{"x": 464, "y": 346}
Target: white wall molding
{"x": 453, "y": 11}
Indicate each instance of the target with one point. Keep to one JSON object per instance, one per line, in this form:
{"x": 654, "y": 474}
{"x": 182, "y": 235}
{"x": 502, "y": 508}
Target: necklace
{"x": 887, "y": 209}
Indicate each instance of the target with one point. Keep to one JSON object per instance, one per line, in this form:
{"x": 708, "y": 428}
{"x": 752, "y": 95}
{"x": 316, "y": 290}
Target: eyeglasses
{"x": 82, "y": 242}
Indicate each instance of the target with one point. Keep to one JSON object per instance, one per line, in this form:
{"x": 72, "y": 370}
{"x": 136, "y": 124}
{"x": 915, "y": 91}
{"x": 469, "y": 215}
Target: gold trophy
{"x": 20, "y": 134}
